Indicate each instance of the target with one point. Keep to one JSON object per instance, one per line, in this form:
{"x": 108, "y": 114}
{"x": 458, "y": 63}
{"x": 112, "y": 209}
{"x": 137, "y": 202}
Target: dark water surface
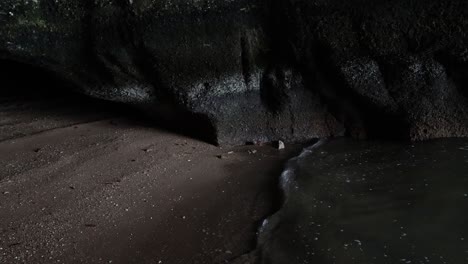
{"x": 372, "y": 202}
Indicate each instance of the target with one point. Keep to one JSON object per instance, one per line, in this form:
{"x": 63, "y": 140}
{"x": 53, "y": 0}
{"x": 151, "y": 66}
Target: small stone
{"x": 220, "y": 156}
{"x": 253, "y": 151}
{"x": 280, "y": 145}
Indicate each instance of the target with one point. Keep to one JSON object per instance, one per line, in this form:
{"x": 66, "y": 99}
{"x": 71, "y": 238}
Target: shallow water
{"x": 372, "y": 202}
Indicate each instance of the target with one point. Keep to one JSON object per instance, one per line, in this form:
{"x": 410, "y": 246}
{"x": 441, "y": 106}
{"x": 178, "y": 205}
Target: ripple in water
{"x": 372, "y": 202}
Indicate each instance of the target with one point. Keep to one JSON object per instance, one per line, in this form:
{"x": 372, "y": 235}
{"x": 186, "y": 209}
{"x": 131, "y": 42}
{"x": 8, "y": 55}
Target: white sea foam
{"x": 287, "y": 183}
{"x": 288, "y": 180}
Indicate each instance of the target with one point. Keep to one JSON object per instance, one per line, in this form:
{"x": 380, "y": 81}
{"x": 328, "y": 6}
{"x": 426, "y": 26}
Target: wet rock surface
{"x": 372, "y": 202}
{"x": 263, "y": 70}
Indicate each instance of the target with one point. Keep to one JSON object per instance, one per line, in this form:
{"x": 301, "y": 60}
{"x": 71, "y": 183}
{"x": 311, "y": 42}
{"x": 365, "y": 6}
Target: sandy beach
{"x": 95, "y": 184}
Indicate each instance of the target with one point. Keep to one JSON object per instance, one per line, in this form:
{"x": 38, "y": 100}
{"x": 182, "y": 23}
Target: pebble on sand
{"x": 280, "y": 145}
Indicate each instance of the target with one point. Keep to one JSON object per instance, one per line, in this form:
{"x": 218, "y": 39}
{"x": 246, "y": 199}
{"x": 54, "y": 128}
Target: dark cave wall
{"x": 262, "y": 70}
{"x": 396, "y": 64}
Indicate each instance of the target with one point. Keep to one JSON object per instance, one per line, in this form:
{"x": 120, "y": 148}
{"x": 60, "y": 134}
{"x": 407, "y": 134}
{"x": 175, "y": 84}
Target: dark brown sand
{"x": 79, "y": 184}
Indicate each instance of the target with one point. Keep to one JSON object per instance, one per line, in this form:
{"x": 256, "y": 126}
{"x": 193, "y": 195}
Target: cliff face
{"x": 243, "y": 70}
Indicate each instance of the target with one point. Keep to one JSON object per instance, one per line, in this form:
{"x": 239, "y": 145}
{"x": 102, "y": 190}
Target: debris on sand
{"x": 280, "y": 145}
{"x": 223, "y": 156}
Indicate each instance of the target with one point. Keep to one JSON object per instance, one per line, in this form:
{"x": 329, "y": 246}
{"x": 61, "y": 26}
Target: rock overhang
{"x": 260, "y": 70}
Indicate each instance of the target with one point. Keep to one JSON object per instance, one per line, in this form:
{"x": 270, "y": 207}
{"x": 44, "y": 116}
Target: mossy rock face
{"x": 259, "y": 70}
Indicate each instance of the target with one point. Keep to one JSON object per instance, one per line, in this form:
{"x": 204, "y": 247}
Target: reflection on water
{"x": 372, "y": 202}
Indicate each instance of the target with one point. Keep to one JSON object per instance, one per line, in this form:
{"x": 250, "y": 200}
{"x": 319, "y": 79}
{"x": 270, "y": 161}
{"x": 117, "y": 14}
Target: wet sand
{"x": 81, "y": 184}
